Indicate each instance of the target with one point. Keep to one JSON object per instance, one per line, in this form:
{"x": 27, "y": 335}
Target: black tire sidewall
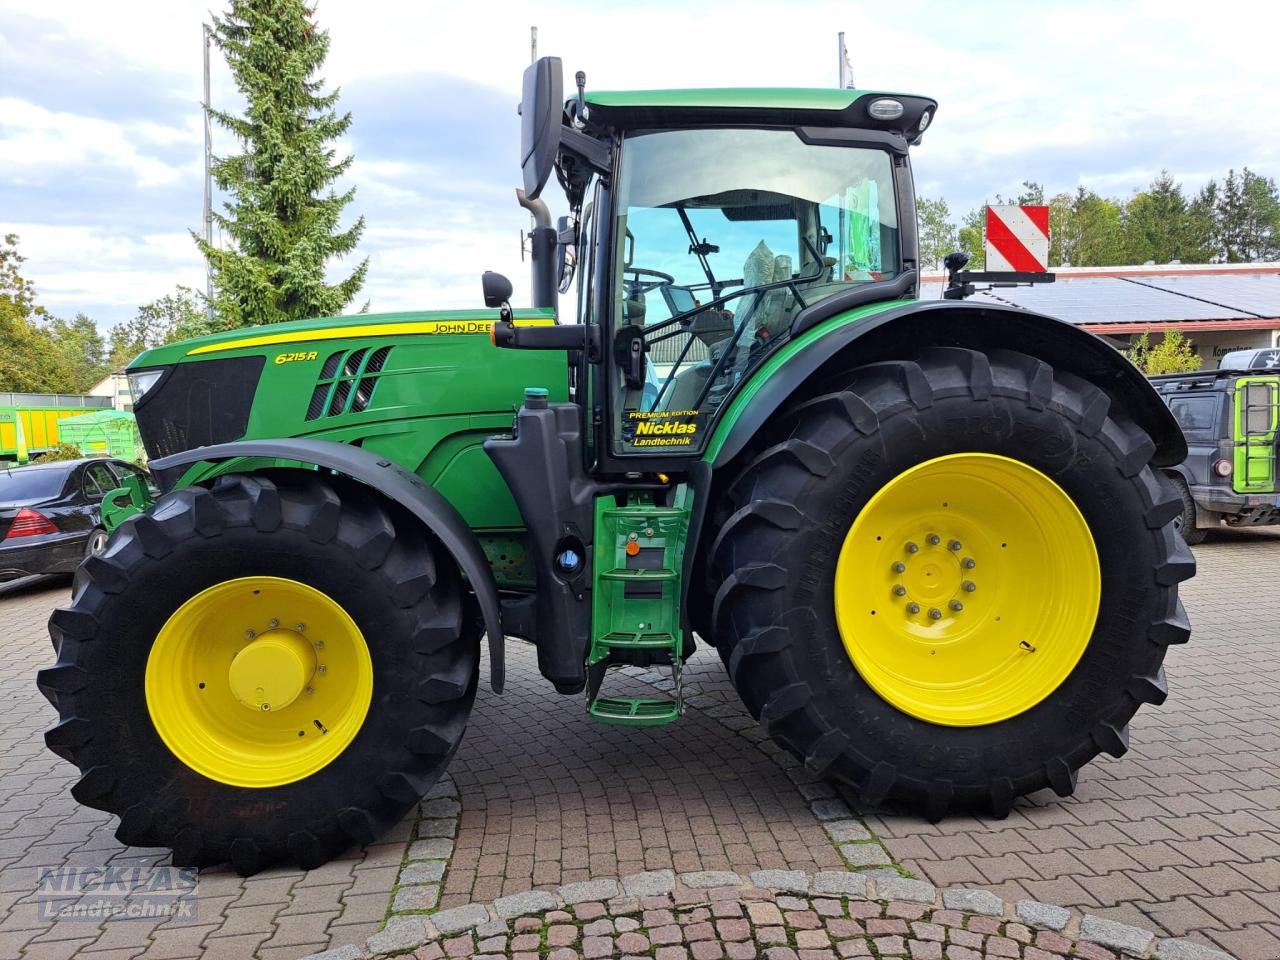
{"x": 181, "y": 798}
{"x": 969, "y": 757}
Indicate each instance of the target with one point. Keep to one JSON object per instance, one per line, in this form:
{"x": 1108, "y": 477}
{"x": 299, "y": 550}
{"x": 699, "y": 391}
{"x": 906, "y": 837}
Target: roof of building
{"x": 1131, "y": 299}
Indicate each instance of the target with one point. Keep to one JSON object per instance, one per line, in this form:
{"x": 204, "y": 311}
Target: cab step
{"x": 639, "y": 551}
{"x": 633, "y": 711}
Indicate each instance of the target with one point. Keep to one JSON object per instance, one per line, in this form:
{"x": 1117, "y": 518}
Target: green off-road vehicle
{"x": 931, "y": 541}
{"x": 1230, "y": 418}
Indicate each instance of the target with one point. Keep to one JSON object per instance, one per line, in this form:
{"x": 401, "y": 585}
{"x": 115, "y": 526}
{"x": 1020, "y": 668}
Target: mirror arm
{"x": 595, "y": 152}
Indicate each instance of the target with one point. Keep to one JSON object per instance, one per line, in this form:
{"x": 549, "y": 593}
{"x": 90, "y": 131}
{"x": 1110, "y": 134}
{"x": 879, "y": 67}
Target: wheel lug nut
{"x": 933, "y": 539}
{"x": 273, "y": 623}
{"x": 969, "y": 586}
{"x": 899, "y": 567}
{"x": 912, "y": 547}
{"x": 913, "y": 607}
{"x": 956, "y": 605}
{"x": 250, "y": 634}
{"x": 319, "y": 644}
{"x": 899, "y": 590}
{"x": 968, "y": 563}
{"x": 935, "y": 613}
{"x": 954, "y": 545}
{"x": 299, "y": 628}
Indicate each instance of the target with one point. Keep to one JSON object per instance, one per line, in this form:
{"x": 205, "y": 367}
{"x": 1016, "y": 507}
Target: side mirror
{"x": 955, "y": 262}
{"x": 497, "y": 290}
{"x": 541, "y": 116}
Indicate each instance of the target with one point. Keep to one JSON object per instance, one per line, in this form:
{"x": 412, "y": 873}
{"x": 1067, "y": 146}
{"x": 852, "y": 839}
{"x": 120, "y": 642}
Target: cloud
{"x": 39, "y": 146}
{"x": 100, "y": 130}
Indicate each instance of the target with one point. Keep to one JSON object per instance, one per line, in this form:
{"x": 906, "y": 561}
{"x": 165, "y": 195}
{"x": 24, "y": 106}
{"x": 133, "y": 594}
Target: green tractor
{"x": 930, "y": 540}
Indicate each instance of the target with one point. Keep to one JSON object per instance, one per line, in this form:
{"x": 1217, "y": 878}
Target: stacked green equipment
{"x": 104, "y": 433}
{"x": 30, "y": 423}
{"x": 929, "y": 540}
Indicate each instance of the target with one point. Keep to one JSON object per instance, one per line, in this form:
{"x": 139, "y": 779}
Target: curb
{"x": 631, "y": 894}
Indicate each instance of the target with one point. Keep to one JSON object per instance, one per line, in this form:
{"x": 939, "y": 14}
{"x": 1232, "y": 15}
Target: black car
{"x": 49, "y": 514}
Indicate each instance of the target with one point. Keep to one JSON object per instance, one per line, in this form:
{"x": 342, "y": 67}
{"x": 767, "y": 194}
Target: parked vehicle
{"x": 50, "y": 516}
{"x": 1230, "y": 418}
{"x": 929, "y": 539}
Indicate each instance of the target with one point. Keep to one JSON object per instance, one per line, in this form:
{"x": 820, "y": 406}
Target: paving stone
{"x": 1042, "y": 914}
{"x": 434, "y": 849}
{"x": 531, "y": 901}
{"x": 457, "y": 919}
{"x": 581, "y": 892}
{"x": 900, "y": 888}
{"x": 400, "y": 933}
{"x": 840, "y": 882}
{"x": 348, "y": 952}
{"x": 425, "y": 871}
{"x": 1120, "y": 936}
{"x": 865, "y": 854}
{"x": 416, "y": 897}
{"x": 788, "y": 881}
{"x": 846, "y": 831}
{"x": 1176, "y": 949}
{"x": 701, "y": 879}
{"x": 649, "y": 883}
{"x": 973, "y": 901}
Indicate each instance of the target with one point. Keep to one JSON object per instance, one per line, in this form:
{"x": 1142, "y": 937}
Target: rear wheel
{"x": 1186, "y": 519}
{"x": 275, "y": 668}
{"x": 950, "y": 581}
{"x": 96, "y": 543}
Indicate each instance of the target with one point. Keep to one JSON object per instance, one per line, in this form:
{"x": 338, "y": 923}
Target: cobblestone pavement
{"x": 776, "y": 914}
{"x": 276, "y": 914}
{"x": 1181, "y": 836}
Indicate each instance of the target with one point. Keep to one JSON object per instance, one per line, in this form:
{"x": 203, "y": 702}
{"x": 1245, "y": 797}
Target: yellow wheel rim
{"x": 967, "y": 589}
{"x": 259, "y": 681}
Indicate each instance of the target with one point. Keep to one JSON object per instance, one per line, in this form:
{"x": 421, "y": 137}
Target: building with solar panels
{"x": 1219, "y": 307}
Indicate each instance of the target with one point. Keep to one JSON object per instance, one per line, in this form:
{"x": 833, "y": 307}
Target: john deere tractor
{"x": 930, "y": 540}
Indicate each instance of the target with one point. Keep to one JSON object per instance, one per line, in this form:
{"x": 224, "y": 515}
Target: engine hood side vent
{"x": 347, "y": 382}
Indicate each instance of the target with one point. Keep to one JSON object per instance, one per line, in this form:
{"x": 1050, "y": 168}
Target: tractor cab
{"x": 707, "y": 228}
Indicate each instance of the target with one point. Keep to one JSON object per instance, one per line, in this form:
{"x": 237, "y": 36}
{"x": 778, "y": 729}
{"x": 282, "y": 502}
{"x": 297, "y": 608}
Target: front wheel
{"x": 274, "y": 668}
{"x": 951, "y": 581}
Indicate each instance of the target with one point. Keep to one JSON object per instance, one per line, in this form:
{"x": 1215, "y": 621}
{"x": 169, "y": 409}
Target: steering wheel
{"x": 638, "y": 285}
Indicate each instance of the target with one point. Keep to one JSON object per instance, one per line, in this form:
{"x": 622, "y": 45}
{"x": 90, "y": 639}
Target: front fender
{"x": 896, "y": 330}
{"x": 392, "y": 481}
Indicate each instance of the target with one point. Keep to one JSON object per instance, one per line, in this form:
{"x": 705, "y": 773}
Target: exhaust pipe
{"x": 543, "y": 247}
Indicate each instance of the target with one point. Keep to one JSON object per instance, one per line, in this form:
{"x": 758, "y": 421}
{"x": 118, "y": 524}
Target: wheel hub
{"x": 933, "y": 581}
{"x": 967, "y": 589}
{"x": 243, "y": 700}
{"x": 273, "y": 670}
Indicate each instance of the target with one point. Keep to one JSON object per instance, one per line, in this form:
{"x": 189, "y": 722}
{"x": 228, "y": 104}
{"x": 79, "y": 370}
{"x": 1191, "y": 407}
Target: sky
{"x": 101, "y": 133}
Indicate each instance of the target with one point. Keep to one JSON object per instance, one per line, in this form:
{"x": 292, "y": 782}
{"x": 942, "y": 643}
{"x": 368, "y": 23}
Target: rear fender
{"x": 391, "y": 480}
{"x": 896, "y": 332}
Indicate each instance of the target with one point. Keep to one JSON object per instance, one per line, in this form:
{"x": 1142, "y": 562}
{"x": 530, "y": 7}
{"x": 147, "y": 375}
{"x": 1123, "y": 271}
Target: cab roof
{"x": 781, "y": 106}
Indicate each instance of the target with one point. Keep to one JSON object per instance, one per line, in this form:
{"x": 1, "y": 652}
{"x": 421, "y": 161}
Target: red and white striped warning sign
{"x": 1017, "y": 238}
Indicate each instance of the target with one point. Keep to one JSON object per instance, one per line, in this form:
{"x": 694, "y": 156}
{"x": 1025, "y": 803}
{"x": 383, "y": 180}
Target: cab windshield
{"x": 724, "y": 235}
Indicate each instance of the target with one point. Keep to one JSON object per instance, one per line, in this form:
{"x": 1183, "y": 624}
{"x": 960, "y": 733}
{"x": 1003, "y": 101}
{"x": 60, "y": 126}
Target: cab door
{"x": 1257, "y": 416}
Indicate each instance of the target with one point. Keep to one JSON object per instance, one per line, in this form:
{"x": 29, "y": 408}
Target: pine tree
{"x": 282, "y": 215}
